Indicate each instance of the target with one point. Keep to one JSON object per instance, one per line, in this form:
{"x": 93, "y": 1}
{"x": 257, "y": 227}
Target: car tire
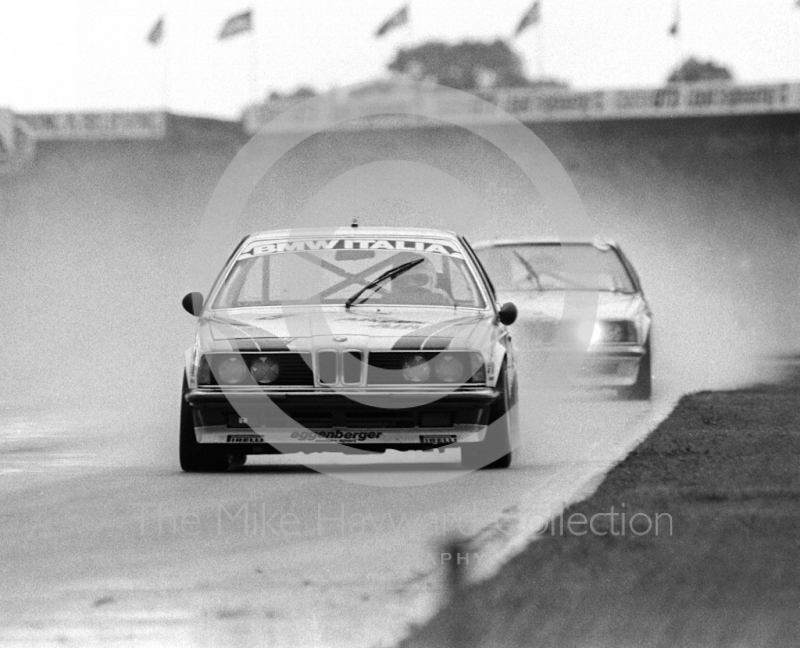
{"x": 237, "y": 460}
{"x": 642, "y": 389}
{"x": 193, "y": 456}
{"x": 497, "y": 443}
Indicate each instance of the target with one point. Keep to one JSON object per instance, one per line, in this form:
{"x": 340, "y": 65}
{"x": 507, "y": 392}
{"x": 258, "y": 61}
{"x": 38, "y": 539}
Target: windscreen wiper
{"x": 577, "y": 285}
{"x": 375, "y": 284}
{"x": 532, "y": 274}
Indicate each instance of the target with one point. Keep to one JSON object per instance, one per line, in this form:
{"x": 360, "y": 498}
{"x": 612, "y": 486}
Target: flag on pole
{"x": 675, "y": 27}
{"x": 238, "y": 24}
{"x": 156, "y": 33}
{"x": 397, "y": 19}
{"x": 531, "y": 17}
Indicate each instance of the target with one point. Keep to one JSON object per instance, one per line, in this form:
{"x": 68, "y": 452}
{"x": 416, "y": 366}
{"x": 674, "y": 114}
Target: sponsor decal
{"x": 438, "y": 439}
{"x": 380, "y": 323}
{"x": 335, "y": 435}
{"x": 245, "y": 438}
{"x": 426, "y": 247}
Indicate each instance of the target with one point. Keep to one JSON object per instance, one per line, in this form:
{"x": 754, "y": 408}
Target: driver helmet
{"x": 420, "y": 277}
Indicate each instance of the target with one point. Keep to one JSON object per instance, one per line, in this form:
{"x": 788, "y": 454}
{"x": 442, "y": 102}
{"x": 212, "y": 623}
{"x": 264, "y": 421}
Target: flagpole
{"x": 254, "y": 56}
{"x": 532, "y": 18}
{"x": 677, "y": 26}
{"x": 408, "y": 37}
{"x": 400, "y": 18}
{"x": 166, "y": 70}
{"x": 411, "y": 33}
{"x": 540, "y": 50}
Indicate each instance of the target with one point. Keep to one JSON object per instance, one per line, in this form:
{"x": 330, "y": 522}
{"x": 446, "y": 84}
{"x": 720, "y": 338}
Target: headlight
{"x": 232, "y": 370}
{"x": 613, "y": 332}
{"x": 448, "y": 368}
{"x": 265, "y": 370}
{"x": 416, "y": 369}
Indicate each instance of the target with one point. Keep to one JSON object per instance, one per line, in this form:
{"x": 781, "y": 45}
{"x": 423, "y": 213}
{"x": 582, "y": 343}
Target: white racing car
{"x": 350, "y": 340}
{"x": 533, "y": 273}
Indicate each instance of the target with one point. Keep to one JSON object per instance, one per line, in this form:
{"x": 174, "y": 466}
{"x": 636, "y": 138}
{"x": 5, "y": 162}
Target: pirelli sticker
{"x": 245, "y": 438}
{"x": 438, "y": 439}
{"x": 260, "y": 248}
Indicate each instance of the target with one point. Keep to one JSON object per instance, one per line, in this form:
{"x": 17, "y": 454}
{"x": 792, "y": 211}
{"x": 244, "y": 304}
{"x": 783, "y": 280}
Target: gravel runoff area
{"x": 692, "y": 540}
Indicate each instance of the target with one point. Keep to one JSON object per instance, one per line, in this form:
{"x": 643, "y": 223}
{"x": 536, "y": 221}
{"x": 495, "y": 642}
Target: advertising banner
{"x": 536, "y": 105}
{"x": 111, "y": 125}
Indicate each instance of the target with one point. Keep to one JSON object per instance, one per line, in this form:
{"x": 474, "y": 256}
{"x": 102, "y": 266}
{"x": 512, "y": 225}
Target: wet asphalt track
{"x": 100, "y": 543}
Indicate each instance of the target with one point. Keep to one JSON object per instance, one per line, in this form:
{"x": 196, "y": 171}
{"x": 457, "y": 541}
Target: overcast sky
{"x": 93, "y": 54}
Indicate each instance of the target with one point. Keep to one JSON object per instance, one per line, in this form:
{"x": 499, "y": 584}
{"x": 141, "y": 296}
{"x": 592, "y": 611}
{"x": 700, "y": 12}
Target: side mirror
{"x": 507, "y": 314}
{"x": 193, "y": 303}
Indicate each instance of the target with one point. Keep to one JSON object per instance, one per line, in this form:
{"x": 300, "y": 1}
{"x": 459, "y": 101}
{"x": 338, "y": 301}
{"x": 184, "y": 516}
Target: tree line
{"x": 477, "y": 65}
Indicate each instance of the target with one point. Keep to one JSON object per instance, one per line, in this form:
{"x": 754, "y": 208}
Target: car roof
{"x": 348, "y": 231}
{"x": 598, "y": 242}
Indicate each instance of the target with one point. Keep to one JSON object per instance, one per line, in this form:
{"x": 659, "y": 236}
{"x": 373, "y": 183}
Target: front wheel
{"x": 495, "y": 450}
{"x": 193, "y": 456}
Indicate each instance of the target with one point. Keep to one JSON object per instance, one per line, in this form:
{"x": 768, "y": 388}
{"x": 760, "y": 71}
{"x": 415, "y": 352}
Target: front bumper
{"x": 606, "y": 366}
{"x": 610, "y": 366}
{"x": 316, "y": 421}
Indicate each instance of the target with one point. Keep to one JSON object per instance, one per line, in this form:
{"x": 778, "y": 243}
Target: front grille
{"x": 326, "y": 367}
{"x": 340, "y": 367}
{"x": 351, "y": 364}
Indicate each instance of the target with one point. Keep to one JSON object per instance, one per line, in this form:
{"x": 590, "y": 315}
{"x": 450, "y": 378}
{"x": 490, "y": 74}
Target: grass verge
{"x": 721, "y": 480}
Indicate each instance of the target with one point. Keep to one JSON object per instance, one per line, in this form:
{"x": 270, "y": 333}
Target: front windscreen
{"x": 543, "y": 267}
{"x": 349, "y": 271}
